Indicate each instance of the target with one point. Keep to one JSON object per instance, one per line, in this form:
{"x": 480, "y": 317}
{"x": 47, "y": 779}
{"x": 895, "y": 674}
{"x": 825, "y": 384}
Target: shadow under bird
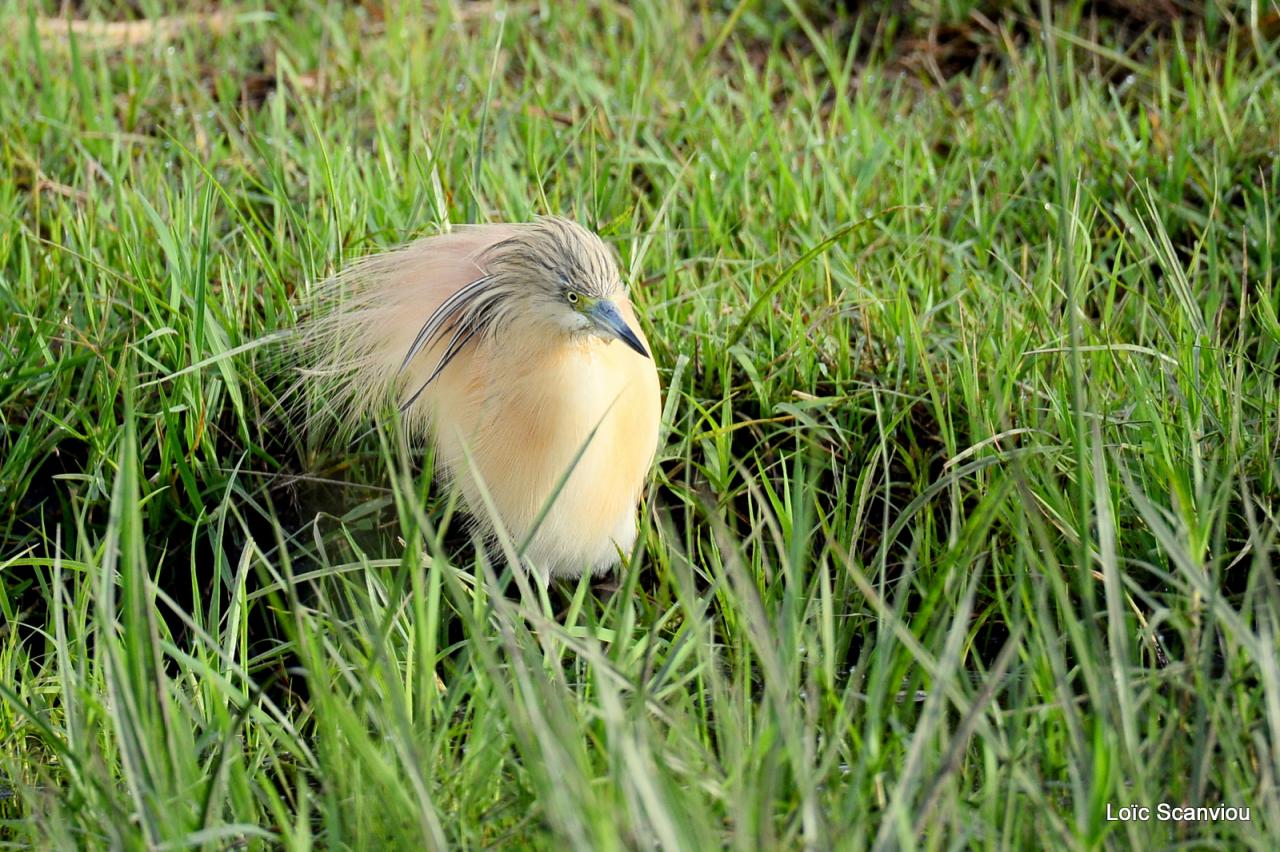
{"x": 516, "y": 349}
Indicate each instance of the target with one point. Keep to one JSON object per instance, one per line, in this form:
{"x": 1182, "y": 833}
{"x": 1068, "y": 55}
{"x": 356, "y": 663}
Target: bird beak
{"x": 605, "y": 314}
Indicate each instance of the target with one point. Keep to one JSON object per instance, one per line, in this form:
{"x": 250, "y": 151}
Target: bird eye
{"x": 572, "y": 297}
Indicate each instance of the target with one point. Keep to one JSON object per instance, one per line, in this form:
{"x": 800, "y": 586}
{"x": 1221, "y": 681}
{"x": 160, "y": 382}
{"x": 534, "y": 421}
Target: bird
{"x": 516, "y": 350}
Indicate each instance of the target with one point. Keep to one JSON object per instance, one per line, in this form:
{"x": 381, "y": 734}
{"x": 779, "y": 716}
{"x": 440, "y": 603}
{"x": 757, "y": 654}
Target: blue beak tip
{"x": 608, "y": 317}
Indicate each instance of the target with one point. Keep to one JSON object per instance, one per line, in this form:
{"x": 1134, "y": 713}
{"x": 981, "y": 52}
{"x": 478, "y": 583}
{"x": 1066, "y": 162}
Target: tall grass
{"x": 963, "y": 529}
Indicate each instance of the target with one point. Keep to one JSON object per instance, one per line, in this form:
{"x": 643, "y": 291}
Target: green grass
{"x": 966, "y": 521}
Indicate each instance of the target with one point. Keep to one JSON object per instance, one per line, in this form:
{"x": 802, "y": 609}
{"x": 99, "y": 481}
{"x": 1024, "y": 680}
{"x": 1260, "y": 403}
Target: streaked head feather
{"x": 372, "y": 323}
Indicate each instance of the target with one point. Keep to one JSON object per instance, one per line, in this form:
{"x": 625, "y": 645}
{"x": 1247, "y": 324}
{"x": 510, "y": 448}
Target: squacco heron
{"x": 515, "y": 348}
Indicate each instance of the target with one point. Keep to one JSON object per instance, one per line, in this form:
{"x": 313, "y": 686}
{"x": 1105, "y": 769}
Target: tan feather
{"x": 531, "y": 388}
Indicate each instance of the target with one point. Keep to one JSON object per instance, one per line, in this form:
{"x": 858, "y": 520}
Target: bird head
{"x": 566, "y": 279}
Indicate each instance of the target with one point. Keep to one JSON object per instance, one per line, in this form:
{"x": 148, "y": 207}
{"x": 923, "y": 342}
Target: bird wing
{"x": 371, "y": 320}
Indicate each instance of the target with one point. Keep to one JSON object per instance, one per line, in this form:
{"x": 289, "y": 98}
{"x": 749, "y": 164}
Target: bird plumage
{"x": 501, "y": 343}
